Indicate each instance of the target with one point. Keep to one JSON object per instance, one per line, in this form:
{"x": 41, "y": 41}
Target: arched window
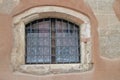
{"x": 52, "y": 41}
{"x": 42, "y": 36}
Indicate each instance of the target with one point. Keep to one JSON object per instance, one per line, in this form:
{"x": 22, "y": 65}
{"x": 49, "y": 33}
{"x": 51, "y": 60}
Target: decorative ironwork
{"x": 52, "y": 41}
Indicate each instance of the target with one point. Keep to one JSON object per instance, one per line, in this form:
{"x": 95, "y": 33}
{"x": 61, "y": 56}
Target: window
{"x": 52, "y": 41}
{"x": 45, "y": 43}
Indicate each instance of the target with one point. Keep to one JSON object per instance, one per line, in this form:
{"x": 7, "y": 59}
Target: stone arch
{"x": 18, "y": 53}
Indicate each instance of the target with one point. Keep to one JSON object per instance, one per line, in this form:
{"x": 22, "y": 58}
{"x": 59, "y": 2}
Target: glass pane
{"x": 66, "y": 42}
{"x": 64, "y": 36}
{"x": 38, "y": 42}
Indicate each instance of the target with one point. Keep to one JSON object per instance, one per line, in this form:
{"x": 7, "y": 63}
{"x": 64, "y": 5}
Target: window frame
{"x": 18, "y": 52}
{"x": 52, "y": 23}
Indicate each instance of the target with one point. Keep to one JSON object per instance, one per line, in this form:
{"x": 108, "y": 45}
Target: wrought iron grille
{"x": 52, "y": 41}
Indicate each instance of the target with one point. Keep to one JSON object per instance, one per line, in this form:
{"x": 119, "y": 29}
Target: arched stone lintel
{"x": 42, "y": 9}
{"x": 18, "y": 53}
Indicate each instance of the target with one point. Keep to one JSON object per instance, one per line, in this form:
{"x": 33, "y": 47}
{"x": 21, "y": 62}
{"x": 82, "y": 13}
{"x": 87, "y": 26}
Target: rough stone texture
{"x": 109, "y": 27}
{"x": 6, "y": 6}
{"x": 54, "y": 68}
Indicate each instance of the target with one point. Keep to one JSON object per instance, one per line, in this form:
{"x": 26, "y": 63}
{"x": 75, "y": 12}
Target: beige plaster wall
{"x": 6, "y": 6}
{"x": 109, "y": 30}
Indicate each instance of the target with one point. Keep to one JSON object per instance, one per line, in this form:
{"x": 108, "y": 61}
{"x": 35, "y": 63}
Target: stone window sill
{"x": 42, "y": 69}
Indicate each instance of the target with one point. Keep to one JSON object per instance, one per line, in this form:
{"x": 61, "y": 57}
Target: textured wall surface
{"x": 6, "y": 6}
{"x": 104, "y": 67}
{"x": 109, "y": 27}
{"x": 6, "y": 40}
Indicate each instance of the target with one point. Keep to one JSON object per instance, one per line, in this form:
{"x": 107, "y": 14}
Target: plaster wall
{"x": 105, "y": 67}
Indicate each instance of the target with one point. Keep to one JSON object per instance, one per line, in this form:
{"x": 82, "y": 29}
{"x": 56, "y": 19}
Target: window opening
{"x": 52, "y": 41}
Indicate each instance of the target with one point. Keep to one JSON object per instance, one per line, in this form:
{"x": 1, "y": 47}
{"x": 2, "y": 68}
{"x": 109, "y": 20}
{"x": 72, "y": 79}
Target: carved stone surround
{"x": 18, "y": 53}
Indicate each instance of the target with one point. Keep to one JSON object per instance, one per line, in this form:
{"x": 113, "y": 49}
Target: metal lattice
{"x": 52, "y": 41}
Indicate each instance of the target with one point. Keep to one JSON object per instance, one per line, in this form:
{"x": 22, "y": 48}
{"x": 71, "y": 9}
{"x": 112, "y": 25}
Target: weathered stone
{"x": 101, "y": 6}
{"x": 109, "y": 41}
{"x": 102, "y": 20}
{"x": 109, "y": 27}
{"x": 109, "y": 46}
{"x": 6, "y": 6}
